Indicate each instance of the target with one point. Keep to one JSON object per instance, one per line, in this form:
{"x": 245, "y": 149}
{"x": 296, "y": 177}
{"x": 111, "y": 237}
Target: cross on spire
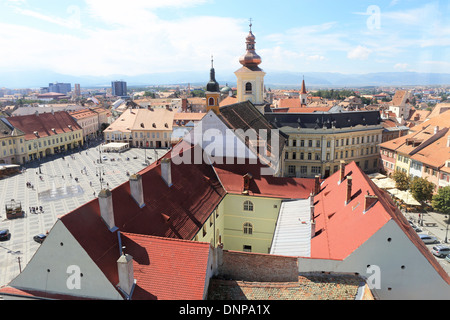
{"x": 251, "y": 24}
{"x": 212, "y": 61}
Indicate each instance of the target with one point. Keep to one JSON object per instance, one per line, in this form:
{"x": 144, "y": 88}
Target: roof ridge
{"x": 162, "y": 238}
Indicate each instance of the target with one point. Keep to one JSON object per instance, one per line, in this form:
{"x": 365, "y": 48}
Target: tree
{"x": 402, "y": 180}
{"x": 441, "y": 200}
{"x": 421, "y": 189}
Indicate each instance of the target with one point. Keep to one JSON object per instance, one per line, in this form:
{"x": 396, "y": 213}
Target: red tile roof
{"x": 167, "y": 269}
{"x": 341, "y": 228}
{"x": 231, "y": 177}
{"x": 44, "y": 123}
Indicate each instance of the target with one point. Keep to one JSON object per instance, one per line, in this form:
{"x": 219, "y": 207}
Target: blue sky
{"x": 107, "y": 37}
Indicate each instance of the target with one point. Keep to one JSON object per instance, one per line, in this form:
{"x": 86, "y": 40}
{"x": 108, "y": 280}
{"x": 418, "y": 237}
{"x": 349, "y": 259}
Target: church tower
{"x": 212, "y": 91}
{"x": 250, "y": 78}
{"x": 303, "y": 94}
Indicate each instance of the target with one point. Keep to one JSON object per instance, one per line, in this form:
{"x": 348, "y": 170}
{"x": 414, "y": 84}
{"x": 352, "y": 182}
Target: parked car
{"x": 39, "y": 238}
{"x": 427, "y": 239}
{"x": 440, "y": 251}
{"x": 4, "y": 234}
{"x": 447, "y": 258}
{"x": 415, "y": 228}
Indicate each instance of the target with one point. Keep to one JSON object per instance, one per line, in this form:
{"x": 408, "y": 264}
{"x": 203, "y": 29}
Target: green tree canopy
{"x": 402, "y": 180}
{"x": 441, "y": 200}
{"x": 421, "y": 189}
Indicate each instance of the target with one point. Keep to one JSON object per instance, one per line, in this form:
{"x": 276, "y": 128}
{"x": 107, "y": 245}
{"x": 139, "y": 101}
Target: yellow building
{"x": 47, "y": 134}
{"x": 12, "y": 144}
{"x": 144, "y": 128}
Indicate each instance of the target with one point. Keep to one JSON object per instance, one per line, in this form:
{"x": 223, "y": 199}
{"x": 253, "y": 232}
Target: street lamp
{"x": 446, "y": 231}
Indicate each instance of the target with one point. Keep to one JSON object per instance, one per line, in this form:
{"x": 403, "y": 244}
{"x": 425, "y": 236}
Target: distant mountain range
{"x": 37, "y": 79}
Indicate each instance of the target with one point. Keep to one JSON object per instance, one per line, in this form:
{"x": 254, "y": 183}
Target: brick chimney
{"x": 184, "y": 104}
{"x": 126, "y": 274}
{"x": 166, "y": 171}
{"x": 349, "y": 189}
{"x": 106, "y": 208}
{"x": 369, "y": 201}
{"x": 136, "y": 189}
{"x": 316, "y": 185}
{"x": 342, "y": 171}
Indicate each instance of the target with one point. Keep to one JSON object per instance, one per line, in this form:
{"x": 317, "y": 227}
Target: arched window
{"x": 248, "y": 205}
{"x": 248, "y": 228}
{"x": 248, "y": 87}
{"x": 211, "y": 102}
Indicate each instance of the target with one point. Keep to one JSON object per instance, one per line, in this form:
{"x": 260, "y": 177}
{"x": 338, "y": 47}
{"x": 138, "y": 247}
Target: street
{"x": 60, "y": 185}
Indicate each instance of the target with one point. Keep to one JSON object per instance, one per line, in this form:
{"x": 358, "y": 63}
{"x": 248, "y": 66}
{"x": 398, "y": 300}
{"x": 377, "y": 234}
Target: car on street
{"x": 39, "y": 238}
{"x": 4, "y": 234}
{"x": 447, "y": 258}
{"x": 440, "y": 251}
{"x": 427, "y": 239}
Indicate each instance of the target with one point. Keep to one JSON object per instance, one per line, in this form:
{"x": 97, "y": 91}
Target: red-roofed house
{"x": 358, "y": 229}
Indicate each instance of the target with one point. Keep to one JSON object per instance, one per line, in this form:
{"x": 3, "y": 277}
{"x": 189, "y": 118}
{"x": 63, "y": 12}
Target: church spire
{"x": 251, "y": 59}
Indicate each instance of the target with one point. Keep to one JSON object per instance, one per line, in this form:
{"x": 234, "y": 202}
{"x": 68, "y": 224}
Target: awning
{"x": 386, "y": 183}
{"x": 405, "y": 196}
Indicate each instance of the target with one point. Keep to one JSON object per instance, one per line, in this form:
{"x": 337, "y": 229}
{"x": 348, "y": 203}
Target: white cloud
{"x": 401, "y": 66}
{"x": 359, "y": 53}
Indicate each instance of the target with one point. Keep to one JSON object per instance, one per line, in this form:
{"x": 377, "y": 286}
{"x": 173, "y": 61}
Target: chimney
{"x": 313, "y": 229}
{"x": 311, "y": 199}
{"x": 106, "y": 208}
{"x": 436, "y": 129}
{"x": 369, "y": 201}
{"x": 126, "y": 274}
{"x": 312, "y": 212}
{"x": 448, "y": 141}
{"x": 247, "y": 179}
{"x": 136, "y": 189}
{"x": 349, "y": 189}
{"x": 316, "y": 185}
{"x": 166, "y": 171}
{"x": 184, "y": 104}
{"x": 342, "y": 171}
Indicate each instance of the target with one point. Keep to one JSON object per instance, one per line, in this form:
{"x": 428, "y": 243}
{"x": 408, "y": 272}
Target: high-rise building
{"x": 77, "y": 90}
{"x": 119, "y": 88}
{"x": 64, "y": 88}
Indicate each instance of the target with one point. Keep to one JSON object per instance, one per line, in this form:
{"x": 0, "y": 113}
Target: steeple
{"x": 250, "y": 59}
{"x": 303, "y": 93}
{"x": 250, "y": 78}
{"x": 213, "y": 85}
{"x": 212, "y": 91}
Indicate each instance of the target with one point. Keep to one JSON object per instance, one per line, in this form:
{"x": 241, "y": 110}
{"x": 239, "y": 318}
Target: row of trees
{"x": 422, "y": 190}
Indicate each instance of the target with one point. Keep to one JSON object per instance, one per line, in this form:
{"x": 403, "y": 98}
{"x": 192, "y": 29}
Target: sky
{"x": 111, "y": 37}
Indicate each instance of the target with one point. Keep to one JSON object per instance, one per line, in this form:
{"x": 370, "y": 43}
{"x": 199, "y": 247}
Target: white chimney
{"x": 436, "y": 129}
{"x": 448, "y": 141}
{"x": 136, "y": 189}
{"x": 166, "y": 171}
{"x": 106, "y": 208}
{"x": 126, "y": 273}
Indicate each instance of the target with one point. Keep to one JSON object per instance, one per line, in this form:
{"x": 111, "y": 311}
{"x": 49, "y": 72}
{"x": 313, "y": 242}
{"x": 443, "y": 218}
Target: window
{"x": 318, "y": 143}
{"x": 248, "y": 87}
{"x": 294, "y": 142}
{"x": 316, "y": 170}
{"x": 248, "y": 228}
{"x": 302, "y": 143}
{"x": 317, "y": 156}
{"x": 309, "y": 156}
{"x": 303, "y": 169}
{"x": 302, "y": 156}
{"x": 310, "y": 143}
{"x": 211, "y": 101}
{"x": 294, "y": 155}
{"x": 328, "y": 144}
{"x": 248, "y": 205}
{"x": 291, "y": 170}
{"x": 247, "y": 248}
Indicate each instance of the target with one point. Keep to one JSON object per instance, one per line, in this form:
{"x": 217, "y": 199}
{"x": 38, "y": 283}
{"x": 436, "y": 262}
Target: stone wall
{"x": 256, "y": 267}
